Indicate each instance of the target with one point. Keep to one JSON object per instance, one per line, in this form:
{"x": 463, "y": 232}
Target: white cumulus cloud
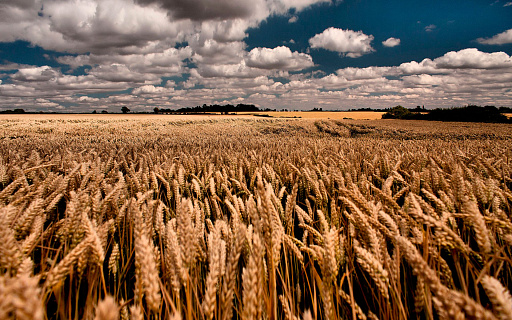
{"x": 240, "y": 70}
{"x": 212, "y": 52}
{"x": 80, "y": 26}
{"x": 426, "y": 66}
{"x": 278, "y": 58}
{"x": 465, "y": 59}
{"x": 150, "y": 89}
{"x": 43, "y": 73}
{"x": 363, "y": 73}
{"x": 121, "y": 73}
{"x": 391, "y": 42}
{"x": 350, "y": 43}
{"x": 430, "y": 27}
{"x": 501, "y": 38}
{"x": 472, "y": 58}
{"x": 87, "y": 99}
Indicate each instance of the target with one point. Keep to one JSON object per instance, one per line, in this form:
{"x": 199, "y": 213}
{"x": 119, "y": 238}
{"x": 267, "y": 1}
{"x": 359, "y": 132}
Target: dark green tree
{"x": 125, "y": 109}
{"x": 397, "y": 112}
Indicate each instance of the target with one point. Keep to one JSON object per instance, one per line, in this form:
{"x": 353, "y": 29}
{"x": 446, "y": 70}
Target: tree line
{"x": 15, "y": 111}
{"x": 224, "y": 109}
{"x": 470, "y": 113}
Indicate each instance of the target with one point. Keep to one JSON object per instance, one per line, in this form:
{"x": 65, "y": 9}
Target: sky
{"x": 85, "y": 55}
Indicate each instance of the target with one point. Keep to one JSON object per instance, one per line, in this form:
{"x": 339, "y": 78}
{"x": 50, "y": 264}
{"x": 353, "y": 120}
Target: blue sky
{"x": 84, "y": 55}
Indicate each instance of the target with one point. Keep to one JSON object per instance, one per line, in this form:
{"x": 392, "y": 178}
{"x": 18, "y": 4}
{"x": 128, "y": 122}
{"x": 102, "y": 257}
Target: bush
{"x": 400, "y": 112}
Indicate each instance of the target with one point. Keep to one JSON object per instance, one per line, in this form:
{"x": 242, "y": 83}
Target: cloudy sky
{"x": 84, "y": 55}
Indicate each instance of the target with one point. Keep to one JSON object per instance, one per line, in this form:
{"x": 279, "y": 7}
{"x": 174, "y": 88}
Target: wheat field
{"x": 240, "y": 218}
{"x": 333, "y": 115}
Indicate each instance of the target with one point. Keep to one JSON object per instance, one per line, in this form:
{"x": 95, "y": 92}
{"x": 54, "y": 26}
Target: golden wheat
{"x": 240, "y": 218}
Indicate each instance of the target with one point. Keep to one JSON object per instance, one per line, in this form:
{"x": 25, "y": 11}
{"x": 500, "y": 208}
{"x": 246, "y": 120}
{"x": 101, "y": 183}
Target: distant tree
{"x": 470, "y": 113}
{"x": 156, "y": 110}
{"x": 397, "y": 112}
{"x": 104, "y": 111}
{"x": 224, "y": 109}
{"x": 13, "y": 111}
{"x": 94, "y": 111}
{"x": 505, "y": 110}
{"x": 125, "y": 109}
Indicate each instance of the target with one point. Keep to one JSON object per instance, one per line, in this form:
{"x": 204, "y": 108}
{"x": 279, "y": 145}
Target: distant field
{"x": 357, "y": 115}
{"x": 121, "y": 117}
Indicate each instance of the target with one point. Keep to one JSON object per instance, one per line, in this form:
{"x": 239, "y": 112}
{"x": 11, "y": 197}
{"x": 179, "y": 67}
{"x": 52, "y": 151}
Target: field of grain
{"x": 333, "y": 115}
{"x": 254, "y": 218}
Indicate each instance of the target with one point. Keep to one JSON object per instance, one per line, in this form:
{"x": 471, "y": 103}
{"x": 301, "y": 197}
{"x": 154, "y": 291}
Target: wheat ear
{"x": 499, "y": 296}
{"x": 252, "y": 281}
{"x": 470, "y": 207}
{"x": 374, "y": 268}
{"x": 214, "y": 246}
{"x": 145, "y": 261}
{"x": 20, "y": 298}
{"x": 58, "y": 273}
{"x": 10, "y": 255}
{"x": 229, "y": 281}
{"x": 107, "y": 309}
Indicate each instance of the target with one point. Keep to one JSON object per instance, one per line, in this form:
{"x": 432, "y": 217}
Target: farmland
{"x": 243, "y": 217}
{"x": 333, "y": 115}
